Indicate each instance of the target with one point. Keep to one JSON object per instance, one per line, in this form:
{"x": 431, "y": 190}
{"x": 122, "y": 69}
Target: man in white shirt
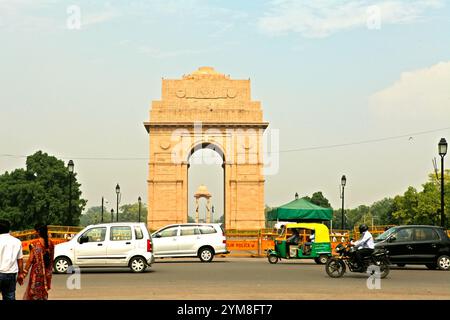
{"x": 11, "y": 262}
{"x": 365, "y": 245}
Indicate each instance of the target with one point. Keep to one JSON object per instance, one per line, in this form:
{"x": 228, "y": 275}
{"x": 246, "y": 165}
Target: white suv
{"x": 121, "y": 244}
{"x": 202, "y": 240}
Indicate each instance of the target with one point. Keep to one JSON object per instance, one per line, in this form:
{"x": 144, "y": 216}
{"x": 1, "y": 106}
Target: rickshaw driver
{"x": 294, "y": 239}
{"x": 307, "y": 245}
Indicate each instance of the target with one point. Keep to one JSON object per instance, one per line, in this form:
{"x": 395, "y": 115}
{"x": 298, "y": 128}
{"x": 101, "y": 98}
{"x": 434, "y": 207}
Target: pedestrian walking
{"x": 11, "y": 262}
{"x": 41, "y": 264}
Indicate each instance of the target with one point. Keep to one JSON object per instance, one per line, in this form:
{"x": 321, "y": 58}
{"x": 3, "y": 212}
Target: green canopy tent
{"x": 300, "y": 210}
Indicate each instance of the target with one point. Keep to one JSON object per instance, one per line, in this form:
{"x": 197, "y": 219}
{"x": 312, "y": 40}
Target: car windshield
{"x": 385, "y": 234}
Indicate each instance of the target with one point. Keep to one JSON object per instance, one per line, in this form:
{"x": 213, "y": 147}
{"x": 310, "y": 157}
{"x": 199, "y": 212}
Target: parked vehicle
{"x": 202, "y": 240}
{"x": 336, "y": 266}
{"x": 417, "y": 244}
{"x": 318, "y": 249}
{"x": 122, "y": 244}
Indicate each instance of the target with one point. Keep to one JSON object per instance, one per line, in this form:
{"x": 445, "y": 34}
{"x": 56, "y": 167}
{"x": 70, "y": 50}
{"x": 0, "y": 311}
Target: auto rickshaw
{"x": 318, "y": 249}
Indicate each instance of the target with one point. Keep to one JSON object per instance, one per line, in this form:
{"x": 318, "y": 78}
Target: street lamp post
{"x": 70, "y": 166}
{"x": 117, "y": 204}
{"x": 212, "y": 214}
{"x": 112, "y": 215}
{"x": 442, "y": 152}
{"x": 102, "y": 207}
{"x": 343, "y": 183}
{"x": 139, "y": 201}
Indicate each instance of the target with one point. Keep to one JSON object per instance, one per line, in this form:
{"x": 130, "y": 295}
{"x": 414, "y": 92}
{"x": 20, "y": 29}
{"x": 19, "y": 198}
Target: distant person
{"x": 41, "y": 263}
{"x": 308, "y": 245}
{"x": 11, "y": 262}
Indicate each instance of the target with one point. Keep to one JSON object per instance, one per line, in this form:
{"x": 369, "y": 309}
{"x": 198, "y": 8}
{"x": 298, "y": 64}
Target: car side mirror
{"x": 158, "y": 235}
{"x": 392, "y": 238}
{"x": 84, "y": 239}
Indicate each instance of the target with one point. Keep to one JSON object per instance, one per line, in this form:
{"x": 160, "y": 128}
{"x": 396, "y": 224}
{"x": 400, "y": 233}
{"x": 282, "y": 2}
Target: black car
{"x": 417, "y": 244}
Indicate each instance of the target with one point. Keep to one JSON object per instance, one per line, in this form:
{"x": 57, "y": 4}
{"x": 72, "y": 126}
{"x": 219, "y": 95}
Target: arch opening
{"x": 206, "y": 174}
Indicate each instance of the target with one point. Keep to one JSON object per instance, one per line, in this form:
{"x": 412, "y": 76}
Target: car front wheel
{"x": 443, "y": 262}
{"x": 62, "y": 265}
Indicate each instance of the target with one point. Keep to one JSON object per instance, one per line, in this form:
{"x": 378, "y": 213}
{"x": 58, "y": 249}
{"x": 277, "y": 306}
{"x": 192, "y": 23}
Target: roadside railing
{"x": 58, "y": 234}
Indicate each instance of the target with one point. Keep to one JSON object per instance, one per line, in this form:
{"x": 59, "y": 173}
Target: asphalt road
{"x": 246, "y": 278}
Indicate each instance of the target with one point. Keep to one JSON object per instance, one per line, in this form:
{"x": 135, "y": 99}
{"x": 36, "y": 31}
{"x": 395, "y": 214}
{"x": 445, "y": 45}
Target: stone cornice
{"x": 159, "y": 124}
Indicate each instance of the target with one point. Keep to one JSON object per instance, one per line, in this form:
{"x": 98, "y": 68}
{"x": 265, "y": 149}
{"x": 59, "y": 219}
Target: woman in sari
{"x": 41, "y": 263}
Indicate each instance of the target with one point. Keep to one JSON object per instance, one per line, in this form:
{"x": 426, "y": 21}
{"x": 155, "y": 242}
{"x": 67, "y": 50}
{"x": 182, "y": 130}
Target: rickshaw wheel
{"x": 272, "y": 258}
{"x": 322, "y": 259}
{"x": 335, "y": 268}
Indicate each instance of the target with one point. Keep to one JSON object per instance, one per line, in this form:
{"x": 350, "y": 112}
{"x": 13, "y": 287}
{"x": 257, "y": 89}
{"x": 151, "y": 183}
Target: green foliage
{"x": 422, "y": 207}
{"x": 93, "y": 216}
{"x": 269, "y": 223}
{"x": 127, "y": 213}
{"x": 220, "y": 219}
{"x": 413, "y": 207}
{"x": 319, "y": 199}
{"x": 40, "y": 194}
{"x": 379, "y": 213}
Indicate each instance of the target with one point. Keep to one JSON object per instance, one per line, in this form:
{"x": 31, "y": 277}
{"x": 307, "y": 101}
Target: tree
{"x": 319, "y": 199}
{"x": 220, "y": 219}
{"x": 423, "y": 207}
{"x": 93, "y": 216}
{"x": 382, "y": 211}
{"x": 40, "y": 194}
{"x": 127, "y": 213}
{"x": 269, "y": 224}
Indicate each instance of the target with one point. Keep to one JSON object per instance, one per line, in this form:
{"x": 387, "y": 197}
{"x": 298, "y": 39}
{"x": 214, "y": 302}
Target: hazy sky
{"x": 328, "y": 73}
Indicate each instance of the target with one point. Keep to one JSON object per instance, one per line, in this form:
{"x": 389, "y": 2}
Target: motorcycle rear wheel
{"x": 384, "y": 270}
{"x": 335, "y": 268}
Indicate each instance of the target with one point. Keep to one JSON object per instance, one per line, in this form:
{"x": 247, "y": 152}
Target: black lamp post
{"x": 103, "y": 206}
{"x": 343, "y": 183}
{"x": 296, "y": 196}
{"x": 112, "y": 215}
{"x": 442, "y": 152}
{"x": 70, "y": 166}
{"x": 139, "y": 201}
{"x": 117, "y": 204}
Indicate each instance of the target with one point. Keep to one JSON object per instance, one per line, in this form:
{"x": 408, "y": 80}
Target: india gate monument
{"x": 206, "y": 109}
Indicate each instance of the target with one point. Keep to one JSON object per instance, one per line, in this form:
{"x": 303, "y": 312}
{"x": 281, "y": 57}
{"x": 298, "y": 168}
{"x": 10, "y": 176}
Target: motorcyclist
{"x": 364, "y": 246}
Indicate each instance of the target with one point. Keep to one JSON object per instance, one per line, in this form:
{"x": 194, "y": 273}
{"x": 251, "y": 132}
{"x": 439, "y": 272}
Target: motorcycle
{"x": 378, "y": 261}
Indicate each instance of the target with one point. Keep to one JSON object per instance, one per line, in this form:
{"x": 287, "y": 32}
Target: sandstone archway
{"x": 206, "y": 109}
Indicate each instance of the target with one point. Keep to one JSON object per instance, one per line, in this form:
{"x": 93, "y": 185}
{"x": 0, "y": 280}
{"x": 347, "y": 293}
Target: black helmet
{"x": 363, "y": 227}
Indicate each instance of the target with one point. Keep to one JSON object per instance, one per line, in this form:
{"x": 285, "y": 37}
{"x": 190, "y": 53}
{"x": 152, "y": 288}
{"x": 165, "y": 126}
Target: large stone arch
{"x": 201, "y": 110}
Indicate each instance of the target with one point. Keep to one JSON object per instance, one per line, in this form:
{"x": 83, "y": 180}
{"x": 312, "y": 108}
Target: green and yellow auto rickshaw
{"x": 313, "y": 243}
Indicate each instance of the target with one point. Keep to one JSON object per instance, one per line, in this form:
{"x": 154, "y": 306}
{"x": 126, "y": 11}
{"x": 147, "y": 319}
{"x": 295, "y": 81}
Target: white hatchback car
{"x": 202, "y": 240}
{"x": 121, "y": 244}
